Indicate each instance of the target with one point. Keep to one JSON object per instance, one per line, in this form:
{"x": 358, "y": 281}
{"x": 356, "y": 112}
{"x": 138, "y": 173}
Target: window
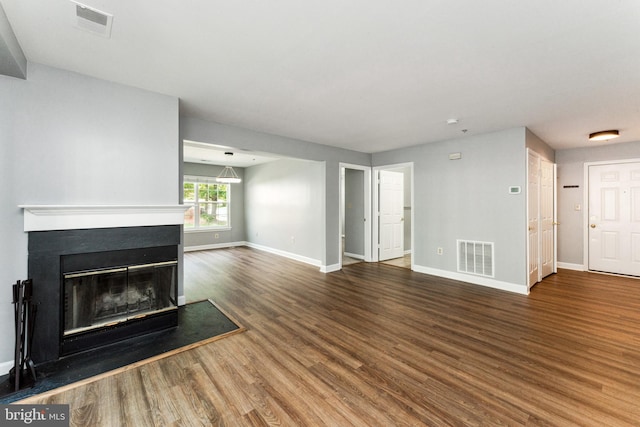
{"x": 208, "y": 203}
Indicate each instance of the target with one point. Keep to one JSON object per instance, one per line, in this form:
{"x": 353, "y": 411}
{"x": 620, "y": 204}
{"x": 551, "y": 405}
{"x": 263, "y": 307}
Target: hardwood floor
{"x": 404, "y": 262}
{"x": 377, "y": 345}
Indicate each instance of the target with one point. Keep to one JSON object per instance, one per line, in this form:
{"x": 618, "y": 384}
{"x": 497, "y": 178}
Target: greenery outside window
{"x": 208, "y": 202}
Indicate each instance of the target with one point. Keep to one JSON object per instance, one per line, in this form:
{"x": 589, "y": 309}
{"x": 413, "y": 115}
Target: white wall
{"x": 571, "y": 172}
{"x": 284, "y": 208}
{"x": 469, "y": 199}
{"x": 71, "y": 139}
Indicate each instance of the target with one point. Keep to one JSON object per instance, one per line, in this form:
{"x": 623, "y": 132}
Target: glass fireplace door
{"x": 100, "y": 298}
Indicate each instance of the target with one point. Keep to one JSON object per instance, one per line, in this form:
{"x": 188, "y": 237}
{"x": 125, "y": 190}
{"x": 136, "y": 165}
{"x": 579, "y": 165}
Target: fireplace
{"x": 97, "y": 298}
{"x": 112, "y": 279}
{"x": 113, "y": 295}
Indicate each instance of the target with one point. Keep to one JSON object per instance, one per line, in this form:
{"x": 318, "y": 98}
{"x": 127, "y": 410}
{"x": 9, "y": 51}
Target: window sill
{"x": 206, "y": 230}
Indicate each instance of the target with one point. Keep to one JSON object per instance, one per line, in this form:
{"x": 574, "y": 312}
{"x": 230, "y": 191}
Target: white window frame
{"x": 205, "y": 180}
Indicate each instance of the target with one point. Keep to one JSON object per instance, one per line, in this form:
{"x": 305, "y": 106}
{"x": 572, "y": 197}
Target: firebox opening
{"x": 98, "y": 298}
{"x": 115, "y": 295}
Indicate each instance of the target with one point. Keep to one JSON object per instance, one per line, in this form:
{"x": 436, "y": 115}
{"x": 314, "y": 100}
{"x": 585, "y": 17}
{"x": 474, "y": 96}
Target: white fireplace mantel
{"x": 66, "y": 217}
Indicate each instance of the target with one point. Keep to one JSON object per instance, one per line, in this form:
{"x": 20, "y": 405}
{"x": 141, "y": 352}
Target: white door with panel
{"x": 614, "y": 218}
{"x": 391, "y": 222}
{"x": 541, "y": 218}
{"x": 533, "y": 209}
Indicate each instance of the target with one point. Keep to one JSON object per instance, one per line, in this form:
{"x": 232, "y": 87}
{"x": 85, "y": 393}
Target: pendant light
{"x": 228, "y": 175}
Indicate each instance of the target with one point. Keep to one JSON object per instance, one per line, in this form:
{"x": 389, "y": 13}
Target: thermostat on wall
{"x": 515, "y": 189}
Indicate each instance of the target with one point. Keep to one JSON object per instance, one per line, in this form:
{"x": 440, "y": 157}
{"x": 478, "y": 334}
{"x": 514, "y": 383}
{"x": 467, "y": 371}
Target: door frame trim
{"x": 585, "y": 204}
{"x": 555, "y": 217}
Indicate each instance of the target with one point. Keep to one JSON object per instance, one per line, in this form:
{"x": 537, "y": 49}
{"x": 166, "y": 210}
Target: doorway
{"x": 355, "y": 214}
{"x": 393, "y": 201}
{"x": 613, "y": 218}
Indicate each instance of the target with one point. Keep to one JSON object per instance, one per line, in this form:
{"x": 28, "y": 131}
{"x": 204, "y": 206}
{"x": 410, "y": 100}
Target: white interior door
{"x": 391, "y": 215}
{"x": 614, "y": 218}
{"x": 547, "y": 218}
{"x": 533, "y": 212}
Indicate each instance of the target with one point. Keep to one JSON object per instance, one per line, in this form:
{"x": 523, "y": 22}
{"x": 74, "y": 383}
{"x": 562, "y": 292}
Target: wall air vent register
{"x": 475, "y": 258}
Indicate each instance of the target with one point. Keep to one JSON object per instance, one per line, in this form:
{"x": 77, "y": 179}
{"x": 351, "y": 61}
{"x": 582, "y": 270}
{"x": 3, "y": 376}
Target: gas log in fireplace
{"x": 101, "y": 285}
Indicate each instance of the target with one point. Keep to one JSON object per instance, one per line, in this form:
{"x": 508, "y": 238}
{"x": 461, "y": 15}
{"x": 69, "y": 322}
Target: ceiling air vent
{"x": 92, "y": 20}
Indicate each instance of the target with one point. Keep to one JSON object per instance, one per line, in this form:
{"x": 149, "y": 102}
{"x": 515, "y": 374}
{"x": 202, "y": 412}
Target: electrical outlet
{"x": 439, "y": 251}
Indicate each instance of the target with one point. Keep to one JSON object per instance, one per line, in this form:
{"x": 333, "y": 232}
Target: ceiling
{"x": 365, "y": 75}
{"x": 198, "y": 152}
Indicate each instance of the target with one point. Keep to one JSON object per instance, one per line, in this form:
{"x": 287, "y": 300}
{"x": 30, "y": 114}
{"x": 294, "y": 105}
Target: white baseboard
{"x": 5, "y": 367}
{"x": 213, "y": 246}
{"x": 285, "y": 254}
{"x": 569, "y": 266}
{"x": 354, "y": 256}
{"x": 482, "y": 281}
{"x": 296, "y": 257}
{"x": 329, "y": 268}
{"x": 182, "y": 300}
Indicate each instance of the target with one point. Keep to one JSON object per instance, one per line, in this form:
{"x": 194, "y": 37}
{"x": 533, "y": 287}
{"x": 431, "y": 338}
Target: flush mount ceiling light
{"x": 604, "y": 135}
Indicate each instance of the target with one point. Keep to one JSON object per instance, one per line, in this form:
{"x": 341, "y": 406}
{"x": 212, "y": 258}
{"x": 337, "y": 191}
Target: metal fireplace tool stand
{"x": 25, "y": 316}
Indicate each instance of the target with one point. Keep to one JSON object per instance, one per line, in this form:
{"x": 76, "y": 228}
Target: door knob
{"x": 593, "y": 226}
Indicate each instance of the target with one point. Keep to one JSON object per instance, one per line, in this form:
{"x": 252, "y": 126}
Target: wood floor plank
{"x": 375, "y": 344}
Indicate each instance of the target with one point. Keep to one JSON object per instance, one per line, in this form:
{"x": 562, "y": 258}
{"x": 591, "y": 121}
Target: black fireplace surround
{"x": 125, "y": 257}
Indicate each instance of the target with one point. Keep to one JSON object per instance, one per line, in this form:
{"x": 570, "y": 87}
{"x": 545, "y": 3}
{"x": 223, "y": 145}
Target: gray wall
{"x": 539, "y": 146}
{"x": 469, "y": 199}
{"x": 70, "y": 139}
{"x": 215, "y": 133}
{"x": 237, "y": 231}
{"x": 354, "y": 212}
{"x": 12, "y": 59}
{"x": 13, "y": 245}
{"x": 284, "y": 207}
{"x": 571, "y": 172}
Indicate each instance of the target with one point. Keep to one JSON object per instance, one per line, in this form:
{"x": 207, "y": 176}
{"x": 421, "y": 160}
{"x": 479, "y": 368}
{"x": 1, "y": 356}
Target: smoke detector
{"x": 92, "y": 20}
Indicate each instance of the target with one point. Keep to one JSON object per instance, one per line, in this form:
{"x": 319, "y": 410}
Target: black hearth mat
{"x": 196, "y": 322}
